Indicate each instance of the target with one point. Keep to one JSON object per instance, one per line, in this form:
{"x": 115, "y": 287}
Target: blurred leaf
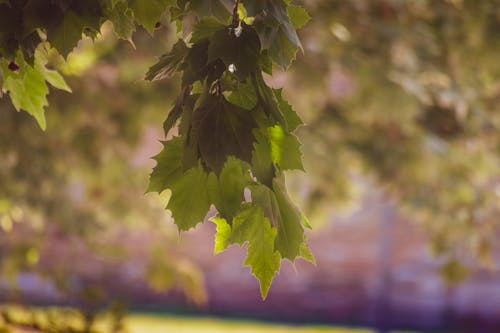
{"x": 148, "y": 12}
{"x": 298, "y": 16}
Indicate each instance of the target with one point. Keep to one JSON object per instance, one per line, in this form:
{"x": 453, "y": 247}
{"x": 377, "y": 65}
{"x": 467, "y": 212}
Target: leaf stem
{"x": 236, "y": 18}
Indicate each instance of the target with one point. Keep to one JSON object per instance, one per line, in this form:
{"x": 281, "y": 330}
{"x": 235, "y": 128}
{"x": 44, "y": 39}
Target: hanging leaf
{"x": 190, "y": 201}
{"x": 223, "y": 129}
{"x": 238, "y": 49}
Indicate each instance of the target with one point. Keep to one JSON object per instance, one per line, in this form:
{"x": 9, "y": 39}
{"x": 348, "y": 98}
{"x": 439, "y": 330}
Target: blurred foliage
{"x": 404, "y": 91}
{"x": 72, "y": 203}
{"x": 408, "y": 93}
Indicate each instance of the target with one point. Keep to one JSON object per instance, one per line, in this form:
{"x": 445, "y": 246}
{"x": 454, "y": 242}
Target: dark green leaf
{"x": 222, "y": 129}
{"x": 219, "y": 9}
{"x": 240, "y": 51}
{"x": 292, "y": 118}
{"x": 275, "y": 30}
{"x": 81, "y": 17}
{"x": 268, "y": 100}
{"x": 244, "y": 96}
{"x": 168, "y": 63}
{"x": 205, "y": 28}
{"x": 262, "y": 164}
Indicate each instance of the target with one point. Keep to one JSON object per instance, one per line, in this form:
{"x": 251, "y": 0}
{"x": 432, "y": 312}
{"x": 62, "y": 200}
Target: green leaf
{"x": 268, "y": 100}
{"x": 266, "y": 63}
{"x": 244, "y": 96}
{"x": 173, "y": 115}
{"x": 285, "y": 149}
{"x": 54, "y": 78}
{"x": 122, "y": 18}
{"x": 233, "y": 180}
{"x": 27, "y": 90}
{"x": 292, "y": 118}
{"x": 305, "y": 252}
{"x": 222, "y": 235}
{"x": 282, "y": 50}
{"x": 265, "y": 198}
{"x": 221, "y": 10}
{"x": 275, "y": 30}
{"x": 222, "y": 129}
{"x": 205, "y": 28}
{"x": 148, "y": 12}
{"x": 168, "y": 166}
{"x": 176, "y": 112}
{"x": 168, "y": 63}
{"x": 51, "y": 76}
{"x": 190, "y": 201}
{"x": 290, "y": 231}
{"x": 195, "y": 68}
{"x": 241, "y": 51}
{"x": 250, "y": 225}
{"x": 190, "y": 145}
{"x": 262, "y": 164}
{"x": 81, "y": 17}
{"x": 298, "y": 16}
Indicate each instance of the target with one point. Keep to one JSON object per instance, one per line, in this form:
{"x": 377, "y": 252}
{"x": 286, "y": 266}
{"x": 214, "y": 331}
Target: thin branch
{"x": 236, "y": 18}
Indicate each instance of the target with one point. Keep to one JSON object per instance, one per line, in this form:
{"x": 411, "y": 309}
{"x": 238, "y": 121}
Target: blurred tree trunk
{"x": 385, "y": 249}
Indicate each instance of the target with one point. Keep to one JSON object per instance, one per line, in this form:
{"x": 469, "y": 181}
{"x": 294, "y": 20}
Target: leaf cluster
{"x": 29, "y": 28}
{"x": 235, "y": 135}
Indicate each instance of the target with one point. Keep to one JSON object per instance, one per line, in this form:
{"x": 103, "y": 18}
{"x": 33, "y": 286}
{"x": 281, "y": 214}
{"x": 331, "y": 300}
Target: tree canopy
{"x": 402, "y": 91}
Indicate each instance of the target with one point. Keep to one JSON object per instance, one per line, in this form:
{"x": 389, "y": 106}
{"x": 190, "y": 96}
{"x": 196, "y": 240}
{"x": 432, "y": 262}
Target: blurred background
{"x": 402, "y": 153}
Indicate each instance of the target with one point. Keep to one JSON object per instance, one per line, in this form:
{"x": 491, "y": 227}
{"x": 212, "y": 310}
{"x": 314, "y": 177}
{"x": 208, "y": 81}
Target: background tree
{"x": 401, "y": 91}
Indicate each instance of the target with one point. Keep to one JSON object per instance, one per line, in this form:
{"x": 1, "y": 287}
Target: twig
{"x": 236, "y": 18}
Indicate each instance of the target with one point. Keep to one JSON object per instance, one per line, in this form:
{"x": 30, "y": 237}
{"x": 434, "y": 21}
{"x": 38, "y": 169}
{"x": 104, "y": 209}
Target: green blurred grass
{"x": 143, "y": 323}
{"x": 47, "y": 317}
